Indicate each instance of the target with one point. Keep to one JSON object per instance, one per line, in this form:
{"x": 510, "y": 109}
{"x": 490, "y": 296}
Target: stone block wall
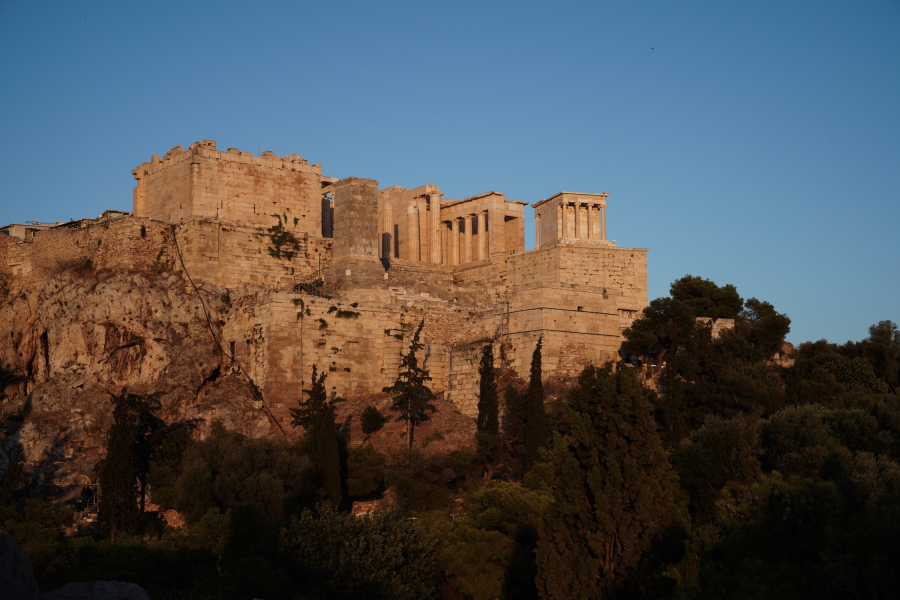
{"x": 621, "y": 271}
{"x": 231, "y": 186}
{"x": 114, "y": 244}
{"x": 228, "y": 255}
{"x": 279, "y": 341}
{"x": 356, "y": 218}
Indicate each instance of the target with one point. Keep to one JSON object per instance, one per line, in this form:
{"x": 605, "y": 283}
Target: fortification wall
{"x": 231, "y": 186}
{"x": 622, "y": 271}
{"x": 360, "y": 352}
{"x": 114, "y": 244}
{"x": 228, "y": 255}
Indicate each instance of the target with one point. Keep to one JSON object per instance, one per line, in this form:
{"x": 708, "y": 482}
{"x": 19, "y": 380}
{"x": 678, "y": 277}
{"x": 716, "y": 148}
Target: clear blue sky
{"x": 754, "y": 144}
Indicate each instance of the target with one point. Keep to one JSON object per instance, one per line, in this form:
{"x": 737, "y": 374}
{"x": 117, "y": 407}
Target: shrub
{"x": 345, "y": 556}
{"x": 371, "y": 420}
{"x": 365, "y": 470}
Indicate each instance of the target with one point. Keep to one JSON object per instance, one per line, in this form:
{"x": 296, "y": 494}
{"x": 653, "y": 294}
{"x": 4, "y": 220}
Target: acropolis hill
{"x": 316, "y": 270}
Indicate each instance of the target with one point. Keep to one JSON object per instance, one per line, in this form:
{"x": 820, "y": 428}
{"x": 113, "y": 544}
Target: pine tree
{"x": 536, "y": 431}
{"x": 118, "y": 476}
{"x": 488, "y": 407}
{"x": 316, "y": 415}
{"x": 410, "y": 392}
{"x": 612, "y": 485}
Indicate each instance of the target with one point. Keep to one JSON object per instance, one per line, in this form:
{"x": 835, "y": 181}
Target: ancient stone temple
{"x": 338, "y": 273}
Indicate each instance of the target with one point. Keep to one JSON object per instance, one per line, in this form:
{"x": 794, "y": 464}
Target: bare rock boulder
{"x": 98, "y": 590}
{"x": 16, "y": 579}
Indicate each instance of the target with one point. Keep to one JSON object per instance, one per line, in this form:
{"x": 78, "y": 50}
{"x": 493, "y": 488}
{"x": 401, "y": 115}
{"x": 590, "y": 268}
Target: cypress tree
{"x": 536, "y": 432}
{"x": 488, "y": 407}
{"x": 316, "y": 415}
{"x": 614, "y": 492}
{"x": 118, "y": 473}
{"x": 147, "y": 426}
{"x": 410, "y": 392}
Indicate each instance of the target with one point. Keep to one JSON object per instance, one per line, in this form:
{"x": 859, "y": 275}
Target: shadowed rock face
{"x": 82, "y": 338}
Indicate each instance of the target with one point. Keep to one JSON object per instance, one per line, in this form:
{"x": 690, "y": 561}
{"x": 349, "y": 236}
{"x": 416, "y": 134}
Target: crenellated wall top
{"x": 207, "y": 149}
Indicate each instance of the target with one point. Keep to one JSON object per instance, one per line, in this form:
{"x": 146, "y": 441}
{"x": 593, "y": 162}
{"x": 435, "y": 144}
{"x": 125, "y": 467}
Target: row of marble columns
{"x": 419, "y": 229}
{"x": 591, "y": 233}
{"x": 461, "y": 247}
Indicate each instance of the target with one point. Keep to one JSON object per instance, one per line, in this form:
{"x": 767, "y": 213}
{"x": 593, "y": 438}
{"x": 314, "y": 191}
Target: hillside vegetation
{"x": 709, "y": 462}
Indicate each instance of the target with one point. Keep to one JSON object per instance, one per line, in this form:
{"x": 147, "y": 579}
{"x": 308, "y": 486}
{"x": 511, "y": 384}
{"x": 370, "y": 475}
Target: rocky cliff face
{"x": 86, "y": 335}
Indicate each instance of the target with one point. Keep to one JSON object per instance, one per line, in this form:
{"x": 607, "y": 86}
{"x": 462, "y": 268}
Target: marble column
{"x": 565, "y": 220}
{"x": 412, "y": 233}
{"x": 467, "y": 246}
{"x": 484, "y": 236}
{"x": 591, "y": 232}
{"x": 387, "y": 232}
{"x": 603, "y": 220}
{"x": 435, "y": 202}
{"x": 454, "y": 242}
{"x": 577, "y": 206}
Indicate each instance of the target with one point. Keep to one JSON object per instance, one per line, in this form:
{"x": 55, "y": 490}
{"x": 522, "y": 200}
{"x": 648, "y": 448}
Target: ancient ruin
{"x": 338, "y": 273}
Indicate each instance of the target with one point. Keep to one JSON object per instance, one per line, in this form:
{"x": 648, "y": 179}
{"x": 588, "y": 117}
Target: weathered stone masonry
{"x": 257, "y": 226}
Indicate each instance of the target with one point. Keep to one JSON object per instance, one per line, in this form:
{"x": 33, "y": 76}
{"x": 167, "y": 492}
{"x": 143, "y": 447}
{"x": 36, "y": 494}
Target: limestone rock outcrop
{"x": 87, "y": 336}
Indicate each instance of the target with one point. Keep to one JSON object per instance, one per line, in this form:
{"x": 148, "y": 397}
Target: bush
{"x": 421, "y": 480}
{"x": 365, "y": 471}
{"x": 344, "y": 556}
{"x": 38, "y": 528}
{"x": 371, "y": 420}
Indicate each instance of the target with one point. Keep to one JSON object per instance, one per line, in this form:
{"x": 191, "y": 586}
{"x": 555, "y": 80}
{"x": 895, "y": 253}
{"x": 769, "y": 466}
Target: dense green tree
{"x": 226, "y": 468}
{"x": 316, "y": 415}
{"x": 706, "y": 299}
{"x": 488, "y": 552}
{"x": 536, "y": 430}
{"x": 613, "y": 489}
{"x": 149, "y": 430}
{"x": 410, "y": 392}
{"x": 512, "y": 439}
{"x": 365, "y": 470}
{"x": 808, "y": 442}
{"x": 667, "y": 322}
{"x": 882, "y": 349}
{"x": 703, "y": 375}
{"x": 849, "y": 375}
{"x": 118, "y": 472}
{"x": 423, "y": 481}
{"x": 761, "y": 329}
{"x": 720, "y": 452}
{"x": 369, "y": 557}
{"x": 39, "y": 528}
{"x": 488, "y": 422}
{"x": 800, "y": 539}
